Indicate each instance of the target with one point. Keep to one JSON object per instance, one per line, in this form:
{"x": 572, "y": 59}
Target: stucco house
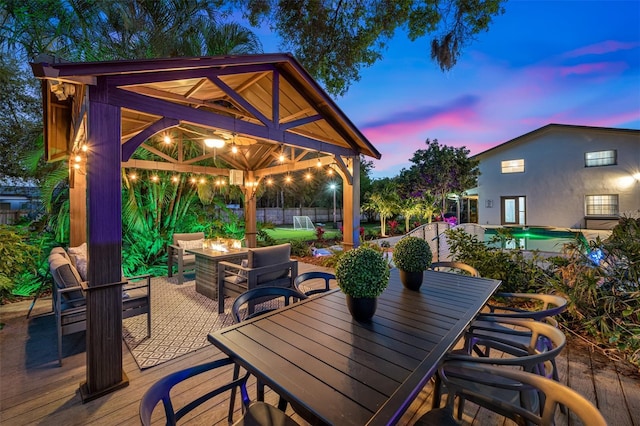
{"x": 561, "y": 175}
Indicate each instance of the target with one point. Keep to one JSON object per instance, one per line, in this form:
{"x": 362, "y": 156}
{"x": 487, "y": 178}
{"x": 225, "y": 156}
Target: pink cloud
{"x": 602, "y": 48}
{"x": 593, "y": 68}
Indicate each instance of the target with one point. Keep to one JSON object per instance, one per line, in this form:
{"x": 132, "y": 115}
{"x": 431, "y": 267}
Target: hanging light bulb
{"x": 202, "y": 180}
{"x": 174, "y": 179}
{"x": 78, "y": 159}
{"x": 194, "y": 180}
{"x": 330, "y": 171}
{"x": 287, "y": 179}
{"x": 133, "y": 176}
{"x": 234, "y": 149}
{"x": 166, "y": 139}
{"x": 154, "y": 178}
{"x": 76, "y": 166}
{"x": 84, "y": 148}
{"x": 307, "y": 176}
{"x": 269, "y": 181}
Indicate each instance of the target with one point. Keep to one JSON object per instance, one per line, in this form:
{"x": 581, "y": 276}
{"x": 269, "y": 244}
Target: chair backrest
{"x": 525, "y": 384}
{"x": 160, "y": 391}
{"x": 532, "y": 357}
{"x": 313, "y": 275}
{"x": 456, "y": 265}
{"x": 267, "y": 256}
{"x": 192, "y": 236}
{"x": 261, "y": 294}
{"x": 550, "y": 305}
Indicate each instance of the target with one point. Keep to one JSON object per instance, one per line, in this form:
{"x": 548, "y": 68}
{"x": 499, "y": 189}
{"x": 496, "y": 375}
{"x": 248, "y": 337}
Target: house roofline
{"x": 549, "y": 127}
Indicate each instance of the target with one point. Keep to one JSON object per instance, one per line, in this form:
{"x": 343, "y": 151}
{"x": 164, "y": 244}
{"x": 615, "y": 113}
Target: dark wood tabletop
{"x": 345, "y": 372}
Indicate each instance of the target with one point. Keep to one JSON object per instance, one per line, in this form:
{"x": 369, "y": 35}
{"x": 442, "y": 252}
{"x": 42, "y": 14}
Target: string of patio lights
{"x": 218, "y": 143}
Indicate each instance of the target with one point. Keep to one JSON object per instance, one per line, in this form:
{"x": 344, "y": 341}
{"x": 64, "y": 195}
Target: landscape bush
{"x": 599, "y": 280}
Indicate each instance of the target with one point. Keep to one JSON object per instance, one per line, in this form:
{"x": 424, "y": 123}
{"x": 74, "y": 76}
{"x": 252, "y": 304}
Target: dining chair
{"x": 257, "y": 296}
{"x": 523, "y": 397}
{"x": 503, "y": 351}
{"x": 253, "y": 413}
{"x": 466, "y": 268}
{"x": 310, "y": 276}
{"x": 535, "y": 307}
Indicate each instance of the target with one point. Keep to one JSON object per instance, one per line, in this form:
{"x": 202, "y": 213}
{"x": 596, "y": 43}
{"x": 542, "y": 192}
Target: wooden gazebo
{"x": 97, "y": 114}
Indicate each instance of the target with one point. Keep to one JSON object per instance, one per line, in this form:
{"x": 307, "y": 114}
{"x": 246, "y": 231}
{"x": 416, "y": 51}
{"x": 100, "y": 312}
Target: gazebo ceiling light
{"x": 214, "y": 142}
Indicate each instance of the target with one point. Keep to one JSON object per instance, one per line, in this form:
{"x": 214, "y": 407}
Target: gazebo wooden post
{"x": 77, "y": 207}
{"x": 104, "y": 205}
{"x": 351, "y": 204}
{"x": 250, "y": 218}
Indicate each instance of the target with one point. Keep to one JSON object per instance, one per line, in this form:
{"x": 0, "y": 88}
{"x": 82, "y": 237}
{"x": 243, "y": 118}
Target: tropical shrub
{"x": 600, "y": 282}
{"x": 21, "y": 261}
{"x": 300, "y": 248}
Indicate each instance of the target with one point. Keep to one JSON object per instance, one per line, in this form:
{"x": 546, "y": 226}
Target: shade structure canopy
{"x": 266, "y": 106}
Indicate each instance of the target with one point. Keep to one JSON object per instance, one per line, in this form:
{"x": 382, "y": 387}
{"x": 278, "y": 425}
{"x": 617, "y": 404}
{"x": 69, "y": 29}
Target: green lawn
{"x": 285, "y": 234}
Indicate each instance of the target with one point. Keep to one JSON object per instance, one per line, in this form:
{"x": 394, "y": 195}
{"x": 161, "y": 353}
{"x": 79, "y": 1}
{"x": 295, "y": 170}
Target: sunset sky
{"x": 541, "y": 62}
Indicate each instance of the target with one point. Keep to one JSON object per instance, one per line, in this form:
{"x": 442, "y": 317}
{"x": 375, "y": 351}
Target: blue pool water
{"x": 543, "y": 239}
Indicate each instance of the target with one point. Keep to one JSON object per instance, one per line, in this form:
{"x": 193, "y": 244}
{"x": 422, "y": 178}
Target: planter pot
{"x": 362, "y": 308}
{"x": 411, "y": 280}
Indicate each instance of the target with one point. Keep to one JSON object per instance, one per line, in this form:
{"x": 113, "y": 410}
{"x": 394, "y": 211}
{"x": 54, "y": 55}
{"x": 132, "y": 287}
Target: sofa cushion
{"x": 266, "y": 256}
{"x": 64, "y": 277}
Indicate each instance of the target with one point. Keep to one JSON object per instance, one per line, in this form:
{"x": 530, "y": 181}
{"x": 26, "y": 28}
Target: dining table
{"x": 338, "y": 371}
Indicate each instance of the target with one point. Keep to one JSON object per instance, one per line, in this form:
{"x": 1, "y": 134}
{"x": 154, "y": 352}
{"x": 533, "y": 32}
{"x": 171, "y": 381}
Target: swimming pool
{"x": 535, "y": 238}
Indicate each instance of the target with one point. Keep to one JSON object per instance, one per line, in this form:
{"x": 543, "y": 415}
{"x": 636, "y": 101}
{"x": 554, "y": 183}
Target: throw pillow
{"x": 78, "y": 256}
{"x": 191, "y": 244}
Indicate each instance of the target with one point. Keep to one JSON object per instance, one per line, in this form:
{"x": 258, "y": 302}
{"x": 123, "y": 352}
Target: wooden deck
{"x": 34, "y": 390}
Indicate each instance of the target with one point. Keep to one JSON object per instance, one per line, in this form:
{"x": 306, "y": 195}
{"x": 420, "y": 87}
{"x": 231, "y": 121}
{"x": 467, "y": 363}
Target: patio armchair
{"x": 510, "y": 393}
{"x": 265, "y": 266}
{"x": 255, "y": 413}
{"x": 176, "y": 254}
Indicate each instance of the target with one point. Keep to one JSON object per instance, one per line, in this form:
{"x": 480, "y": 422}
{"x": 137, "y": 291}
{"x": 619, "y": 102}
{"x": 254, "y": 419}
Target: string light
{"x": 281, "y": 158}
{"x": 287, "y": 179}
{"x": 133, "y": 176}
{"x": 203, "y": 180}
{"x": 175, "y": 179}
{"x": 330, "y": 171}
{"x": 308, "y": 176}
{"x": 154, "y": 178}
{"x": 319, "y": 163}
{"x": 234, "y": 149}
{"x": 84, "y": 148}
{"x": 76, "y": 166}
{"x": 194, "y": 180}
{"x": 269, "y": 181}
{"x": 166, "y": 139}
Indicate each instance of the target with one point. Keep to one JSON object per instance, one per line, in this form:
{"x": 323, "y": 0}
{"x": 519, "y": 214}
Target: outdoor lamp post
{"x": 333, "y": 187}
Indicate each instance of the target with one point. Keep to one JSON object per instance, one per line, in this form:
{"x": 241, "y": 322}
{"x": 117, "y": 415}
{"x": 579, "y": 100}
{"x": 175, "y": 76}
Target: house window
{"x": 600, "y": 158}
{"x": 601, "y": 205}
{"x": 512, "y": 166}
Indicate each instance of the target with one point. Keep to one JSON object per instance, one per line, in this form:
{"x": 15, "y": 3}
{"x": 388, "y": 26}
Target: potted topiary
{"x": 362, "y": 275}
{"x": 412, "y": 256}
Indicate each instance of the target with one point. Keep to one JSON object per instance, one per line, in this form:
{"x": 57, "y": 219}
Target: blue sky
{"x": 541, "y": 62}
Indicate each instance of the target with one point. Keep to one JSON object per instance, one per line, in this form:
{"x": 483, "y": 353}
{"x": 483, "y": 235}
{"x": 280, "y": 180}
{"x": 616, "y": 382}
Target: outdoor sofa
{"x": 69, "y": 301}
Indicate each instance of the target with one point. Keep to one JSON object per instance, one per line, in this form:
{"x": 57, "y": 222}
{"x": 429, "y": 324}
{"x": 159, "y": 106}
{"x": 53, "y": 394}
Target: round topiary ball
{"x": 362, "y": 272}
{"x": 412, "y": 254}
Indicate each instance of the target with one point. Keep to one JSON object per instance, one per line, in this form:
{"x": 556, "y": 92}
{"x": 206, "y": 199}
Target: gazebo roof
{"x": 264, "y": 104}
